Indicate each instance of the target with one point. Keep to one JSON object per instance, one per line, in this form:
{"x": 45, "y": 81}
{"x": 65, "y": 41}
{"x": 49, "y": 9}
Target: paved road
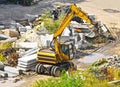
{"x": 13, "y": 12}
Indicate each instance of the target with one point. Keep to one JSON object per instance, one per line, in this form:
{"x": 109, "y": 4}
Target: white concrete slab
{"x": 12, "y": 70}
{"x": 28, "y": 58}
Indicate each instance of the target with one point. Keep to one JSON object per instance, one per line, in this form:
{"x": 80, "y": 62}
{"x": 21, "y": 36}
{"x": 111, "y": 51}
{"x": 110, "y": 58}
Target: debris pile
{"x": 107, "y": 68}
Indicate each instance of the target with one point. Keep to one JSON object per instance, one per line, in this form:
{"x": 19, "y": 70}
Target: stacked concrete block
{"x": 27, "y": 62}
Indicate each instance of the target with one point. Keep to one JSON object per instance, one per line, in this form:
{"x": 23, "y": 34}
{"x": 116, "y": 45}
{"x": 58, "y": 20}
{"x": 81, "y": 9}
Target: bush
{"x": 49, "y": 23}
{"x": 92, "y": 81}
{"x": 65, "y": 80}
{"x": 2, "y": 58}
{"x": 5, "y": 45}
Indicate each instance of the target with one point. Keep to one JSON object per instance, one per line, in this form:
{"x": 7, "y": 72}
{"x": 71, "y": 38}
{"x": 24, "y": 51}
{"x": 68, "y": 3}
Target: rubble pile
{"x": 107, "y": 68}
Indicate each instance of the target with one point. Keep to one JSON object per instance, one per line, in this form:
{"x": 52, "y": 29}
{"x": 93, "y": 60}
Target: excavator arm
{"x": 58, "y": 59}
{"x": 74, "y": 11}
{"x": 66, "y": 20}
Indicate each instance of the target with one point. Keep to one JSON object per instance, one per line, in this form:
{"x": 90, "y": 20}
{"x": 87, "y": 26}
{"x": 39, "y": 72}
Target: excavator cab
{"x": 68, "y": 49}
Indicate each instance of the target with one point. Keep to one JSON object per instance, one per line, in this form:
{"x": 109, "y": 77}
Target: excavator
{"x": 59, "y": 57}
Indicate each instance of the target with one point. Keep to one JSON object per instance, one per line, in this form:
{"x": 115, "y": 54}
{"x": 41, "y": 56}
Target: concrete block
{"x": 27, "y": 59}
{"x": 26, "y": 45}
{"x": 26, "y": 63}
{"x": 1, "y": 66}
{"x": 27, "y": 69}
{"x": 12, "y": 70}
{"x": 11, "y": 32}
{"x": 31, "y": 51}
{"x": 3, "y": 37}
{"x": 27, "y": 66}
{"x": 3, "y": 74}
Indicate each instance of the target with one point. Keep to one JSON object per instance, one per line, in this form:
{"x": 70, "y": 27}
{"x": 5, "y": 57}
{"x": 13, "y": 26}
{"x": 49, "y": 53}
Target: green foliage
{"x": 92, "y": 81}
{"x": 5, "y": 45}
{"x": 65, "y": 80}
{"x": 2, "y": 58}
{"x": 49, "y": 23}
{"x": 97, "y": 39}
{"x": 116, "y": 73}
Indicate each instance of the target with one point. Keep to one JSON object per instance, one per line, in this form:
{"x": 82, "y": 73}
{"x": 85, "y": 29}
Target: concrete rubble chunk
{"x": 12, "y": 72}
{"x": 3, "y": 74}
{"x": 1, "y": 66}
{"x": 26, "y": 45}
{"x": 3, "y": 37}
{"x": 31, "y": 51}
{"x": 11, "y": 32}
{"x": 22, "y": 52}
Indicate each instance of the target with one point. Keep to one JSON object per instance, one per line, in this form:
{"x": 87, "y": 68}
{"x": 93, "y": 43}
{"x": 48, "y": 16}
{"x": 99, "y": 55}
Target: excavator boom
{"x": 74, "y": 11}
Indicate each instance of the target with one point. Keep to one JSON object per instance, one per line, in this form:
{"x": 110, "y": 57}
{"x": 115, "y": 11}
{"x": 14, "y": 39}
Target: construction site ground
{"x": 110, "y": 18}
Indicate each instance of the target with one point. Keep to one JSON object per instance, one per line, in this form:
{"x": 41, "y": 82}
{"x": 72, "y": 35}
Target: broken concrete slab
{"x": 11, "y": 32}
{"x": 44, "y": 39}
{"x": 27, "y": 69}
{"x": 31, "y": 51}
{"x": 28, "y": 59}
{"x": 13, "y": 39}
{"x": 3, "y": 37}
{"x": 3, "y": 74}
{"x": 26, "y": 63}
{"x": 12, "y": 70}
{"x": 1, "y": 66}
{"x": 26, "y": 45}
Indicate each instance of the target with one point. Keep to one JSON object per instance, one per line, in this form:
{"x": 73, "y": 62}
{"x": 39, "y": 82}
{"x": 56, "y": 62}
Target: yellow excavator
{"x": 58, "y": 58}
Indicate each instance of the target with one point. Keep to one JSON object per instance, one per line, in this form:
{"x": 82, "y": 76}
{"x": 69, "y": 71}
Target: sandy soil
{"x": 112, "y": 20}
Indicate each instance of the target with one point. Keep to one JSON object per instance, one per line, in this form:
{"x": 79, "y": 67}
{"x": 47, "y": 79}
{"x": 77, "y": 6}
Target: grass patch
{"x": 49, "y": 23}
{"x": 76, "y": 79}
{"x": 65, "y": 80}
{"x": 2, "y": 58}
{"x": 92, "y": 81}
{"x": 5, "y": 45}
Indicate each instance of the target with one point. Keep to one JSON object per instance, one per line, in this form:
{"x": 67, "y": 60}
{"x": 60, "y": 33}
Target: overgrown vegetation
{"x": 5, "y": 45}
{"x": 92, "y": 81}
{"x": 76, "y": 79}
{"x": 73, "y": 80}
{"x": 98, "y": 40}
{"x": 2, "y": 58}
{"x": 49, "y": 23}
